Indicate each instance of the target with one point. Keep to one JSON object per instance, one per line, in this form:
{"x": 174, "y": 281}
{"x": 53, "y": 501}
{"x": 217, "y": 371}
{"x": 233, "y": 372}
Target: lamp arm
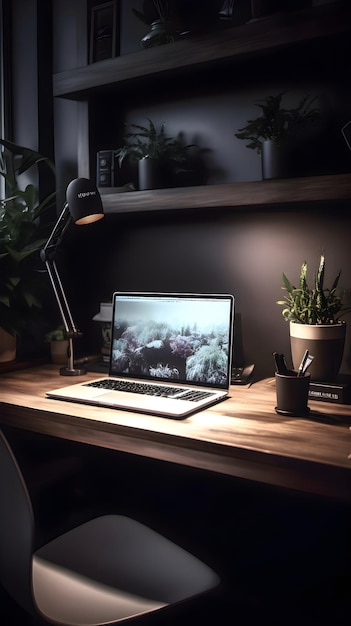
{"x": 70, "y": 327}
{"x": 57, "y": 234}
{"x": 47, "y": 255}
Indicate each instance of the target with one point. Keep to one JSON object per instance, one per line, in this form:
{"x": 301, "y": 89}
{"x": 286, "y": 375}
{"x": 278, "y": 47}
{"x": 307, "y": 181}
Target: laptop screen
{"x": 183, "y": 338}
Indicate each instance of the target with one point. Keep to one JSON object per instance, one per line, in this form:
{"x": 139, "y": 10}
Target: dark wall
{"x": 243, "y": 252}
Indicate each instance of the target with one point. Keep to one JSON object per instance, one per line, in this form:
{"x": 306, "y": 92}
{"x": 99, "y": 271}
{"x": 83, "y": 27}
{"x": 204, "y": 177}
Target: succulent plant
{"x": 312, "y": 305}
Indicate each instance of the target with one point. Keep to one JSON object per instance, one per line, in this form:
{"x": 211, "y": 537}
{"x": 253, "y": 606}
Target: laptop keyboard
{"x": 151, "y": 389}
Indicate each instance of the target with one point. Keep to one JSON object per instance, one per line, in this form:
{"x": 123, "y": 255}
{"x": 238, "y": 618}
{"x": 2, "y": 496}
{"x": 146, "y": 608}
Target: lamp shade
{"x": 84, "y": 201}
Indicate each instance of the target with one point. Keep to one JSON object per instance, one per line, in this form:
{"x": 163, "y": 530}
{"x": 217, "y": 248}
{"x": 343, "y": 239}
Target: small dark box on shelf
{"x": 106, "y": 168}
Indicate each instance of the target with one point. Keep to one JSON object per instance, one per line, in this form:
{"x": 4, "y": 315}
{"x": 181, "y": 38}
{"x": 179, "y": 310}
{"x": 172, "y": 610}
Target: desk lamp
{"x": 83, "y": 206}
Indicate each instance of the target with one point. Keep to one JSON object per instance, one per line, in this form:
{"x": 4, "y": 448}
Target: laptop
{"x": 170, "y": 355}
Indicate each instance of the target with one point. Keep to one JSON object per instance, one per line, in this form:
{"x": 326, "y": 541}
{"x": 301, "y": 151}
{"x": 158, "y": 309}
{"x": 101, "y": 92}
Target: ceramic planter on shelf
{"x": 325, "y": 342}
{"x": 7, "y": 346}
{"x": 161, "y": 33}
{"x": 149, "y": 173}
{"x": 275, "y": 160}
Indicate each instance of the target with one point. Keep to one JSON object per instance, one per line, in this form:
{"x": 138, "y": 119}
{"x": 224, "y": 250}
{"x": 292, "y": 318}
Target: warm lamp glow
{"x": 89, "y": 219}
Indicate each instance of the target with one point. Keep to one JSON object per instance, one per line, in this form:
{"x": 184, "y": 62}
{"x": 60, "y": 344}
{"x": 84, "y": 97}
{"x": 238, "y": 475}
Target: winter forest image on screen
{"x": 186, "y": 341}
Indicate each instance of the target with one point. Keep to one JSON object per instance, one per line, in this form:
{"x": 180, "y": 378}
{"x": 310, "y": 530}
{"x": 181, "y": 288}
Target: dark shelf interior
{"x": 313, "y": 38}
{"x": 206, "y": 52}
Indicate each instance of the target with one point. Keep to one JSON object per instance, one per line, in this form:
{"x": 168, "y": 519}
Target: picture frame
{"x": 104, "y": 31}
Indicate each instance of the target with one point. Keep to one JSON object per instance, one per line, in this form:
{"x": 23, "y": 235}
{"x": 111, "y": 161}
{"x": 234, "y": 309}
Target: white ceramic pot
{"x": 324, "y": 341}
{"x": 7, "y": 346}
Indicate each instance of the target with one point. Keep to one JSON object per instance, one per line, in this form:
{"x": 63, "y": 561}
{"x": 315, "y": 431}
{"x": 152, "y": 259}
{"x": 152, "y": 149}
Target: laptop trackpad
{"x": 137, "y": 401}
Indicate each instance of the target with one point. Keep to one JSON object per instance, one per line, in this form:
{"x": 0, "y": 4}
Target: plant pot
{"x": 149, "y": 173}
{"x": 325, "y": 342}
{"x": 58, "y": 351}
{"x": 275, "y": 160}
{"x": 161, "y": 32}
{"x": 7, "y": 346}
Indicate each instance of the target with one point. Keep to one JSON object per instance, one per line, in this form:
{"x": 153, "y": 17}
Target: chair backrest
{"x": 16, "y": 530}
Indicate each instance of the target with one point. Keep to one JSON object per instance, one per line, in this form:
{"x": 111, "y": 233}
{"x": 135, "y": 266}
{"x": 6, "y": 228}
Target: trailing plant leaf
{"x": 312, "y": 305}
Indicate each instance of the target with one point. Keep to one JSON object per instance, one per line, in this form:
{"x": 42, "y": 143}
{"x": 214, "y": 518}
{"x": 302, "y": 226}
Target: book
{"x": 338, "y": 391}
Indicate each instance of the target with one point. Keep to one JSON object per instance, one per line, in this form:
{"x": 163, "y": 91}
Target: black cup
{"x": 292, "y": 394}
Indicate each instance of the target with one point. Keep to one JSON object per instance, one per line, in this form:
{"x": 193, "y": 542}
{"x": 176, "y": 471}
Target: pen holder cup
{"x": 292, "y": 394}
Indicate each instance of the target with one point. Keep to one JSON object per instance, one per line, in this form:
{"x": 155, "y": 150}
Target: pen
{"x": 303, "y": 363}
{"x": 280, "y": 364}
{"x": 307, "y": 364}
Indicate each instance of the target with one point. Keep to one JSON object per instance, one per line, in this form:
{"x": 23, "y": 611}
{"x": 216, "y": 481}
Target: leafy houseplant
{"x": 274, "y": 133}
{"x": 57, "y": 334}
{"x": 314, "y": 314}
{"x": 23, "y": 233}
{"x": 58, "y": 344}
{"x": 277, "y": 123}
{"x": 171, "y": 19}
{"x": 153, "y": 143}
{"x": 150, "y": 142}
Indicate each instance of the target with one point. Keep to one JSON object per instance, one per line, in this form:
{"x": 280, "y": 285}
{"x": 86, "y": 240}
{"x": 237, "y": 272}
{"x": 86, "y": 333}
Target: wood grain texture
{"x": 277, "y": 31}
{"x": 239, "y": 195}
{"x": 241, "y": 437}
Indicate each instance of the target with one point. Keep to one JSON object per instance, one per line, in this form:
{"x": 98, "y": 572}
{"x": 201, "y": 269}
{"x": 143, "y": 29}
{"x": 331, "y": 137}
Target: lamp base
{"x": 67, "y": 371}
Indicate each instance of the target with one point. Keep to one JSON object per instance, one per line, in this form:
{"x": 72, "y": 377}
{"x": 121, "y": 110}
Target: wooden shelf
{"x": 251, "y": 194}
{"x": 324, "y": 26}
{"x": 269, "y": 34}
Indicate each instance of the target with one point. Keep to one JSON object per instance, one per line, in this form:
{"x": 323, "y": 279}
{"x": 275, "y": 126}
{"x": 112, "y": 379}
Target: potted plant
{"x": 58, "y": 344}
{"x": 170, "y": 20}
{"x": 314, "y": 314}
{"x": 158, "y": 15}
{"x": 22, "y": 235}
{"x": 274, "y": 131}
{"x": 156, "y": 154}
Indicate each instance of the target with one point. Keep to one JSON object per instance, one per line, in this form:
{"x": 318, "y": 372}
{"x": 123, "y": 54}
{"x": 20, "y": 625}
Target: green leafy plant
{"x": 57, "y": 334}
{"x": 159, "y": 10}
{"x": 277, "y": 123}
{"x": 150, "y": 141}
{"x": 23, "y": 233}
{"x": 312, "y": 305}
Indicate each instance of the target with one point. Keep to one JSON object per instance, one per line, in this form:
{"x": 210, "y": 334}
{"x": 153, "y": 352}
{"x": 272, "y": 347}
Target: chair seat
{"x": 66, "y": 598}
{"x": 105, "y": 571}
{"x": 112, "y": 568}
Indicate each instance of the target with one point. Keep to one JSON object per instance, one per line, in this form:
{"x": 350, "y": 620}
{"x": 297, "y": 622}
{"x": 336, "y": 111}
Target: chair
{"x": 105, "y": 571}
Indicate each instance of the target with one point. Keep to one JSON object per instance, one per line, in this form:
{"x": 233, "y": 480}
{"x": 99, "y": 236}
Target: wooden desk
{"x": 241, "y": 437}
